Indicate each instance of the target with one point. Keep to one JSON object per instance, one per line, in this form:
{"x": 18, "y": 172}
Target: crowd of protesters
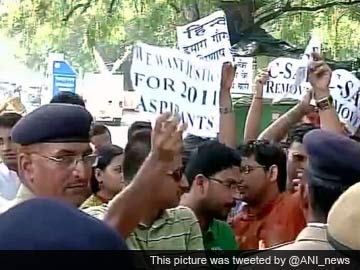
{"x": 293, "y": 186}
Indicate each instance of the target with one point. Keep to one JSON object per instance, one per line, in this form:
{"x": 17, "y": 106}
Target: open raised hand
{"x": 167, "y": 137}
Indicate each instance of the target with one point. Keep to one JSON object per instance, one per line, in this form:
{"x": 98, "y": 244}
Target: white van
{"x": 104, "y": 96}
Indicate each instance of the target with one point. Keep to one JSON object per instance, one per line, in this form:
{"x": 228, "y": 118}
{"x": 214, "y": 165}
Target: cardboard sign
{"x": 170, "y": 80}
{"x": 207, "y": 38}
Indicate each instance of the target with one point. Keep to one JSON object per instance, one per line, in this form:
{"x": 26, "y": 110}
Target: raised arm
{"x": 227, "y": 133}
{"x": 279, "y": 129}
{"x": 129, "y": 206}
{"x": 320, "y": 77}
{"x": 252, "y": 124}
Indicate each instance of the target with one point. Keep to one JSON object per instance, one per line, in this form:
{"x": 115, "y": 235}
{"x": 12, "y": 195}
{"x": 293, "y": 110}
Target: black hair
{"x": 210, "y": 158}
{"x": 99, "y": 129}
{"x": 136, "y": 151}
{"x": 267, "y": 154}
{"x": 323, "y": 197}
{"x": 68, "y": 98}
{"x": 9, "y": 120}
{"x": 298, "y": 132}
{"x": 190, "y": 144}
{"x": 138, "y": 126}
{"x": 105, "y": 155}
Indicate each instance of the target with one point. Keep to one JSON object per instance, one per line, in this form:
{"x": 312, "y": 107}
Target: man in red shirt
{"x": 271, "y": 215}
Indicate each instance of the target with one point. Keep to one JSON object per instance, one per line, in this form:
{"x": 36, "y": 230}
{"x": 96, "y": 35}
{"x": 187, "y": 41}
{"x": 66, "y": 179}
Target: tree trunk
{"x": 240, "y": 17}
{"x": 191, "y": 12}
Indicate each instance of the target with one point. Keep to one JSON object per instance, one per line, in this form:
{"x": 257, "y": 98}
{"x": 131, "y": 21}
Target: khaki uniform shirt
{"x": 312, "y": 237}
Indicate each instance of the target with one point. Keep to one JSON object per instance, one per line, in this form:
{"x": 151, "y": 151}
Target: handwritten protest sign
{"x": 170, "y": 80}
{"x": 207, "y": 38}
{"x": 243, "y": 81}
{"x": 345, "y": 89}
{"x": 282, "y": 74}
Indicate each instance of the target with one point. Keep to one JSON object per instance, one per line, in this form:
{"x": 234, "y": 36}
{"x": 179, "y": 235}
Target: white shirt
{"x": 9, "y": 182}
{"x": 22, "y": 195}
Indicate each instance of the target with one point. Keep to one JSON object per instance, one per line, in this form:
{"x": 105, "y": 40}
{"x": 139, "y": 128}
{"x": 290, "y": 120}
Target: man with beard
{"x": 9, "y": 180}
{"x": 213, "y": 174}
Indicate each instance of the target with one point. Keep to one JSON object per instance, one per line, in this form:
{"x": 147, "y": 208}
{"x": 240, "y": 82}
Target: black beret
{"x": 47, "y": 224}
{"x": 53, "y": 123}
{"x": 333, "y": 158}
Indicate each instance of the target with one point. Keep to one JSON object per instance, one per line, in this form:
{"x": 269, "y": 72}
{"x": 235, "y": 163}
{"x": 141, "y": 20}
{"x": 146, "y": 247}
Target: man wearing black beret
{"x": 54, "y": 154}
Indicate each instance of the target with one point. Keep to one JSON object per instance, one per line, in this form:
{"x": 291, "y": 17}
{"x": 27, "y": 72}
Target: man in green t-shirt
{"x": 213, "y": 174}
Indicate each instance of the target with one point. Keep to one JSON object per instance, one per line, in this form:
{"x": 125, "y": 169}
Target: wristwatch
{"x": 325, "y": 103}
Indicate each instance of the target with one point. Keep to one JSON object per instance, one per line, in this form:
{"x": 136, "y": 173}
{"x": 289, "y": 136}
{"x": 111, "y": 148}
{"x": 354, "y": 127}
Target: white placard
{"x": 301, "y": 73}
{"x": 348, "y": 112}
{"x": 207, "y": 38}
{"x": 282, "y": 74}
{"x": 243, "y": 81}
{"x": 170, "y": 80}
{"x": 344, "y": 84}
{"x": 345, "y": 89}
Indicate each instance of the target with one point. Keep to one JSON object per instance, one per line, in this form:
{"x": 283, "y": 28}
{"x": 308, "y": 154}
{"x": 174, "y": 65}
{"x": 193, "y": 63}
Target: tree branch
{"x": 112, "y": 4}
{"x": 175, "y": 7}
{"x": 288, "y": 8}
{"x": 85, "y": 6}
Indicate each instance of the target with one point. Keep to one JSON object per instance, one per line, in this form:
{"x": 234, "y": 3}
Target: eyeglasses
{"x": 230, "y": 185}
{"x": 71, "y": 161}
{"x": 177, "y": 174}
{"x": 246, "y": 169}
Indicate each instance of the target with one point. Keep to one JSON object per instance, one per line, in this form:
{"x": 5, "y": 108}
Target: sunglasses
{"x": 177, "y": 174}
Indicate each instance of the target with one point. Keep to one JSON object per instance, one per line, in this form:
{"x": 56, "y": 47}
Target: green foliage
{"x": 74, "y": 27}
{"x": 338, "y": 28}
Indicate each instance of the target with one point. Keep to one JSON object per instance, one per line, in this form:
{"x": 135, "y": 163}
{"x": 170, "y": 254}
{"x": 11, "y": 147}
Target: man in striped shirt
{"x": 167, "y": 226}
